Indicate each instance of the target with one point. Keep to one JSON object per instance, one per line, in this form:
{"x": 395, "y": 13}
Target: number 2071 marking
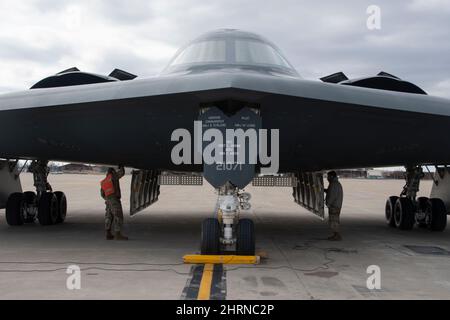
{"x": 229, "y": 167}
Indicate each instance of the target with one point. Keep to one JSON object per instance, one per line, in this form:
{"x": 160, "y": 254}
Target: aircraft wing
{"x": 321, "y": 125}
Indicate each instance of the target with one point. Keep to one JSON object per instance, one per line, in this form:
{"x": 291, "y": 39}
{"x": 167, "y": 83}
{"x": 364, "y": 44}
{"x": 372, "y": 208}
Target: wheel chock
{"x": 220, "y": 259}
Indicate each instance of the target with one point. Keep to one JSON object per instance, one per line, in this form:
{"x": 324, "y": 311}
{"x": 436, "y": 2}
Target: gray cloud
{"x": 23, "y": 51}
{"x": 319, "y": 38}
{"x": 125, "y": 12}
{"x": 129, "y": 62}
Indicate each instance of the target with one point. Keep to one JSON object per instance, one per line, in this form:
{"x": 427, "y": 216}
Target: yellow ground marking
{"x": 204, "y": 291}
{"x": 218, "y": 259}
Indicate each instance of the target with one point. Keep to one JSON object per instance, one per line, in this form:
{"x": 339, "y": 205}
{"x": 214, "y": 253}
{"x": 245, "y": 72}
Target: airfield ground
{"x": 299, "y": 264}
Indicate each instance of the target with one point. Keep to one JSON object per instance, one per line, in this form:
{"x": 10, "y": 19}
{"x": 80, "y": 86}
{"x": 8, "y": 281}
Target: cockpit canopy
{"x": 230, "y": 48}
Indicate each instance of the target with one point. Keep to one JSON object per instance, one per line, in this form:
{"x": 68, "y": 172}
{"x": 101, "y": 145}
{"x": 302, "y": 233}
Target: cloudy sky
{"x": 41, "y": 37}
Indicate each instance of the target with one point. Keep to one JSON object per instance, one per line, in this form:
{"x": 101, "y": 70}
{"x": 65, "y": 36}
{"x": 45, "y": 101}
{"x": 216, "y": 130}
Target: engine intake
{"x": 382, "y": 81}
{"x": 75, "y": 77}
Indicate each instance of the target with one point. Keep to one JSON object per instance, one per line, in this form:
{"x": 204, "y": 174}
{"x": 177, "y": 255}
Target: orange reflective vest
{"x": 107, "y": 185}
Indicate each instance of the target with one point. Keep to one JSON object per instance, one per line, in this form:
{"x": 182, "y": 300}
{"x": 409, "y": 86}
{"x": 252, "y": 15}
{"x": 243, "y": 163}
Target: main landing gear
{"x": 405, "y": 211}
{"x": 46, "y": 206}
{"x": 227, "y": 231}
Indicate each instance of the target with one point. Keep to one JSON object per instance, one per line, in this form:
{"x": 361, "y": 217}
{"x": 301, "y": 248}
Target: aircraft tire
{"x": 390, "y": 210}
{"x": 422, "y": 204}
{"x": 13, "y": 210}
{"x": 29, "y": 199}
{"x": 245, "y": 236}
{"x": 210, "y": 237}
{"x": 48, "y": 209}
{"x": 438, "y": 215}
{"x": 404, "y": 214}
{"x": 62, "y": 206}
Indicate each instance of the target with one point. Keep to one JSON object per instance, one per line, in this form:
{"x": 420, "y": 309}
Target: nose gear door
{"x": 230, "y": 152}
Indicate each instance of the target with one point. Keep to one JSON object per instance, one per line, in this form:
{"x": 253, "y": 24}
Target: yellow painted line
{"x": 204, "y": 291}
{"x": 220, "y": 259}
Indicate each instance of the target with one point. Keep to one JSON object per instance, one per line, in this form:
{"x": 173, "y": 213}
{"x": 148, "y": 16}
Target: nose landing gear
{"x": 227, "y": 232}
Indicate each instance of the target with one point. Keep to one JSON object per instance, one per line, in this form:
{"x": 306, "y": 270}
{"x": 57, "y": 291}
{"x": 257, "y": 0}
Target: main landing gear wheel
{"x": 62, "y": 206}
{"x": 29, "y": 201}
{"x": 14, "y": 210}
{"x": 390, "y": 211}
{"x": 210, "y": 237}
{"x": 422, "y": 207}
{"x": 437, "y": 215}
{"x": 404, "y": 214}
{"x": 245, "y": 238}
{"x": 48, "y": 209}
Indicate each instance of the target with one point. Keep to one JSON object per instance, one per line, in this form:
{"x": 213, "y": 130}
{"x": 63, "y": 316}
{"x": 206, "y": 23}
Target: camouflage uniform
{"x": 114, "y": 212}
{"x": 333, "y": 200}
{"x": 109, "y": 217}
{"x": 334, "y": 219}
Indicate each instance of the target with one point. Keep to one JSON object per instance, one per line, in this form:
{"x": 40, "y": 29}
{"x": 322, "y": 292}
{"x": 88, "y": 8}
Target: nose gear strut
{"x": 228, "y": 231}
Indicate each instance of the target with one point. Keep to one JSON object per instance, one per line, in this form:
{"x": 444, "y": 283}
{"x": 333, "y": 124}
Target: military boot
{"x": 335, "y": 237}
{"x": 120, "y": 236}
{"x": 109, "y": 235}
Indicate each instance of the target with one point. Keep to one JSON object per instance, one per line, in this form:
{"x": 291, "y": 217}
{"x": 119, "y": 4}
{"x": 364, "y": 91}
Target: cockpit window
{"x": 258, "y": 53}
{"x": 230, "y": 49}
{"x": 213, "y": 51}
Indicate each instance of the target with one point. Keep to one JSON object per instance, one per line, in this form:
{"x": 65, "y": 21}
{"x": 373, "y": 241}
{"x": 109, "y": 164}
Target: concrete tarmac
{"x": 300, "y": 264}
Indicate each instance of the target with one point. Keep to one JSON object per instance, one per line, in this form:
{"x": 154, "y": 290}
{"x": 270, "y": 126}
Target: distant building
{"x": 76, "y": 168}
{"x": 352, "y": 173}
{"x": 375, "y": 174}
{"x": 99, "y": 169}
{"x": 400, "y": 175}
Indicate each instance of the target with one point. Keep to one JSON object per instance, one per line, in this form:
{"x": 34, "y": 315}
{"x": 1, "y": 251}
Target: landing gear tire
{"x": 48, "y": 209}
{"x": 390, "y": 211}
{"x": 29, "y": 200}
{"x": 245, "y": 238}
{"x": 422, "y": 206}
{"x": 437, "y": 215}
{"x": 210, "y": 237}
{"x": 14, "y": 210}
{"x": 404, "y": 214}
{"x": 62, "y": 206}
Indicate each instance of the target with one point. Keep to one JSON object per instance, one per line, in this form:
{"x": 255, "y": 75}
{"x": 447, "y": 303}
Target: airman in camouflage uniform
{"x": 333, "y": 200}
{"x": 114, "y": 212}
